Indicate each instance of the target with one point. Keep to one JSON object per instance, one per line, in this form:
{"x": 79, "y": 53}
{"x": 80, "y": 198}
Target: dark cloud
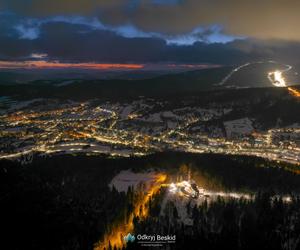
{"x": 263, "y": 19}
{"x": 78, "y": 42}
{"x": 73, "y": 42}
{"x": 14, "y": 48}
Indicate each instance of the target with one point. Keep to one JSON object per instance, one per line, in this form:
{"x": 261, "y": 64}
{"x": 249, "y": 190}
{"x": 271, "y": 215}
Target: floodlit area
{"x": 145, "y": 186}
{"x": 183, "y": 194}
{"x": 277, "y": 79}
{"x": 190, "y": 189}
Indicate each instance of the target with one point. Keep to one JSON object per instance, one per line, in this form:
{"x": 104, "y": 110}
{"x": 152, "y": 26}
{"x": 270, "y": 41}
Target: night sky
{"x": 134, "y": 34}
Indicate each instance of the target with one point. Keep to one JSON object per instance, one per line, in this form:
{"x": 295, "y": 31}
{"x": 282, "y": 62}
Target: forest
{"x": 64, "y": 201}
{"x": 263, "y": 223}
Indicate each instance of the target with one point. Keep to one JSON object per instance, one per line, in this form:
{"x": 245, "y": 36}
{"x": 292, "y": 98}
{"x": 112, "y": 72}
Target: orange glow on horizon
{"x": 42, "y": 64}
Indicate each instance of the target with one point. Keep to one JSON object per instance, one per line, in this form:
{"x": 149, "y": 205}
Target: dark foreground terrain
{"x": 64, "y": 202}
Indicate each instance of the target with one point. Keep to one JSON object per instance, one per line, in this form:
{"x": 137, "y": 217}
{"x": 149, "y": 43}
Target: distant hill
{"x": 187, "y": 82}
{"x": 27, "y": 75}
{"x": 10, "y": 77}
{"x": 241, "y": 76}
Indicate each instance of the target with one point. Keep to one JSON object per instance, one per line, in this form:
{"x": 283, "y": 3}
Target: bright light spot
{"x": 277, "y": 79}
{"x": 184, "y": 188}
{"x": 173, "y": 188}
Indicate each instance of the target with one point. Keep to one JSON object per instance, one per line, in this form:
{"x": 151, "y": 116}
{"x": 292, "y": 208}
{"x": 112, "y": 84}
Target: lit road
{"x": 140, "y": 209}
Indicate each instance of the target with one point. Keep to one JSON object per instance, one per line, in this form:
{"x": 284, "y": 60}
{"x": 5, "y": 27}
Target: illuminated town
{"x": 144, "y": 126}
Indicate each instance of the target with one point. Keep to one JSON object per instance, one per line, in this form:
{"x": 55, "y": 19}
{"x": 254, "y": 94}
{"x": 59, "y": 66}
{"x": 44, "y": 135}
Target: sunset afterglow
{"x": 41, "y": 64}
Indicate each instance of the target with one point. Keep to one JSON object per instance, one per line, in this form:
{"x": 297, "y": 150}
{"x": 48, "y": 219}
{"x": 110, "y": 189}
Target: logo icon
{"x": 129, "y": 238}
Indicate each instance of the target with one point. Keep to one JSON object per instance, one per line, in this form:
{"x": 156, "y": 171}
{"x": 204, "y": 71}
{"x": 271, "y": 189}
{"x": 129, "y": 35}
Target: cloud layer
{"x": 149, "y": 31}
{"x": 263, "y": 19}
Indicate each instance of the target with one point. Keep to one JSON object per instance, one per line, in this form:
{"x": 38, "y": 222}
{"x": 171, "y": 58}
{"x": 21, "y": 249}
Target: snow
{"x": 126, "y": 111}
{"x": 171, "y": 125}
{"x": 169, "y": 114}
{"x": 64, "y": 83}
{"x": 181, "y": 206}
{"x": 24, "y": 104}
{"x": 127, "y": 178}
{"x": 153, "y": 118}
{"x": 238, "y": 127}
